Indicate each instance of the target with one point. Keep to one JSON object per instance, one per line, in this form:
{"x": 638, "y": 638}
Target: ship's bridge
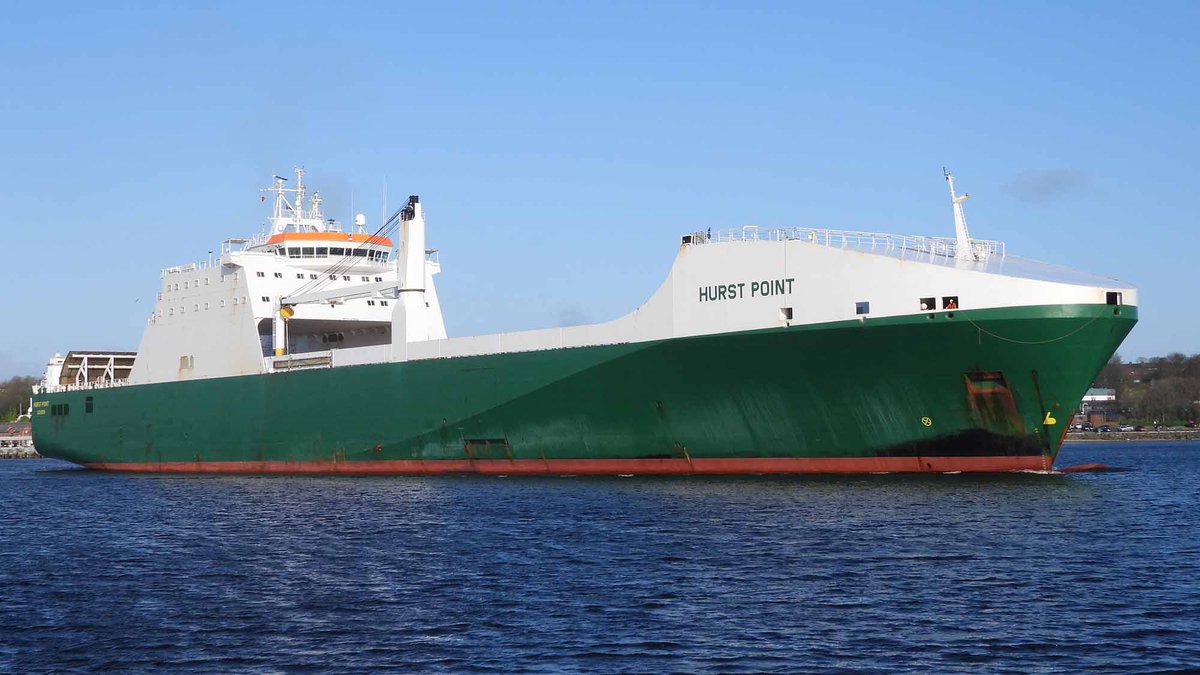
{"x": 330, "y": 244}
{"x": 302, "y": 234}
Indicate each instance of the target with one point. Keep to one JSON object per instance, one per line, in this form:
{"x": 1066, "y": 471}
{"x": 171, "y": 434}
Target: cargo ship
{"x": 313, "y": 348}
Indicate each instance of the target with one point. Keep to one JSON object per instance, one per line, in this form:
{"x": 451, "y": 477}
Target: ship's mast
{"x": 298, "y": 211}
{"x": 963, "y": 250}
{"x": 292, "y": 214}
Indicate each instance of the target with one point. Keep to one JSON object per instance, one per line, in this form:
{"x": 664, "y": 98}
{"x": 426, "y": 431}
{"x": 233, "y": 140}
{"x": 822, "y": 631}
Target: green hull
{"x": 967, "y": 390}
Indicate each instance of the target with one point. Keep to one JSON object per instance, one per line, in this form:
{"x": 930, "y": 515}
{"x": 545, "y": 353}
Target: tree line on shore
{"x": 1162, "y": 388}
{"x": 14, "y": 396}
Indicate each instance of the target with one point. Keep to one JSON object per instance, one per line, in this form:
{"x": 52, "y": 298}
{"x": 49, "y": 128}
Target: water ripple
{"x": 886, "y": 573}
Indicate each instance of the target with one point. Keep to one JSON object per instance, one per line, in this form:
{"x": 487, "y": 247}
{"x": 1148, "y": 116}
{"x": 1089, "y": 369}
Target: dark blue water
{"x": 1052, "y": 573}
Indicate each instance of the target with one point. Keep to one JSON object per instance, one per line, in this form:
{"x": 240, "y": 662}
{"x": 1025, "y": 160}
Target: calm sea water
{"x": 1051, "y": 573}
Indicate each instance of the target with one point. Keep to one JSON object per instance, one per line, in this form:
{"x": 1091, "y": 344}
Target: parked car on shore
{"x": 1125, "y": 427}
{"x": 1104, "y": 428}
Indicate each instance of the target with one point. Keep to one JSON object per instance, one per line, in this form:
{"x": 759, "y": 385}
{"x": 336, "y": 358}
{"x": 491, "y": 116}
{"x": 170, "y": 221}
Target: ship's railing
{"x": 86, "y": 386}
{"x": 863, "y": 241}
{"x": 190, "y": 267}
{"x": 237, "y": 245}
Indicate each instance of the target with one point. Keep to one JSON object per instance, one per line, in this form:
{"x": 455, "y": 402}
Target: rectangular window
{"x": 371, "y": 303}
{"x": 299, "y": 276}
{"x": 206, "y": 305}
{"x": 279, "y": 275}
{"x": 293, "y": 252}
{"x": 312, "y": 276}
{"x": 383, "y": 302}
{"x": 862, "y": 308}
{"x": 346, "y": 277}
{"x": 306, "y": 252}
{"x": 360, "y": 253}
{"x": 322, "y": 251}
{"x": 1113, "y": 298}
{"x": 366, "y": 278}
{"x": 261, "y": 274}
{"x": 785, "y": 313}
{"x": 337, "y": 251}
{"x": 222, "y": 303}
{"x": 333, "y": 277}
{"x": 928, "y": 304}
{"x": 266, "y": 299}
{"x": 950, "y": 302}
{"x": 87, "y": 405}
{"x": 378, "y": 278}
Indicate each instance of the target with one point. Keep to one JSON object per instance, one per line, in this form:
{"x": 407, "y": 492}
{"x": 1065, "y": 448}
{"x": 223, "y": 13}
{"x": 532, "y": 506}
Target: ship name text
{"x": 738, "y": 291}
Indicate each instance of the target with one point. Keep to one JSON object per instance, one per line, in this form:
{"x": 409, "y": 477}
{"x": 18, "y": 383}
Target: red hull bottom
{"x": 757, "y": 465}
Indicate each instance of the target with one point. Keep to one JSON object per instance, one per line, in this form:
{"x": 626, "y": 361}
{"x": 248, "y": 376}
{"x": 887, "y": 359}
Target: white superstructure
{"x": 225, "y": 316}
{"x": 306, "y": 294}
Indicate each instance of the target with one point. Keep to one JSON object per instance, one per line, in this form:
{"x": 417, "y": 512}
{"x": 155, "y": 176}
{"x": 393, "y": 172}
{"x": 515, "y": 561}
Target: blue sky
{"x": 561, "y": 148}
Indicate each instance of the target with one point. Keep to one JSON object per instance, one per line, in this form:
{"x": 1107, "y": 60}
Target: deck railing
{"x": 946, "y": 247}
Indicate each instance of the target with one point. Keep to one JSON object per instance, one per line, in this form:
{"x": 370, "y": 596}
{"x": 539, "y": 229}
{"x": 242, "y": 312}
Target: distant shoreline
{"x": 1128, "y": 436}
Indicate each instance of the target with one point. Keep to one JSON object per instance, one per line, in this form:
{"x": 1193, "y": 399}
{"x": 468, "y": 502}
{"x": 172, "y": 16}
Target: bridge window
{"x": 337, "y": 251}
{"x": 306, "y": 252}
{"x": 322, "y": 251}
{"x": 360, "y": 253}
{"x": 293, "y": 252}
